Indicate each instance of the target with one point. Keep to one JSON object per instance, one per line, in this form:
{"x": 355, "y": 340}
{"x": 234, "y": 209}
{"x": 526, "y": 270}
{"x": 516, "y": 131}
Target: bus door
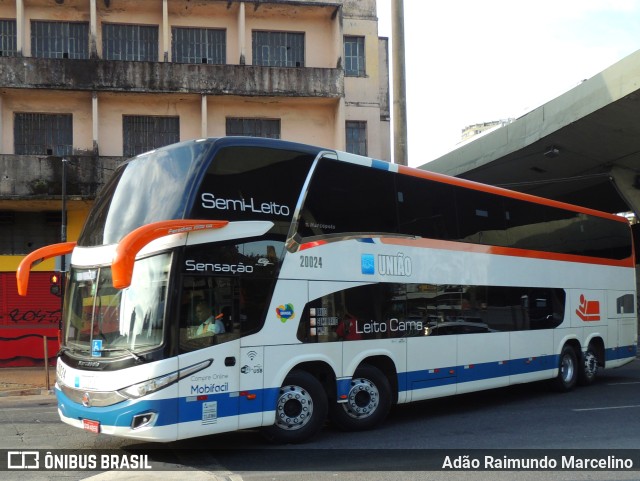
{"x": 208, "y": 399}
{"x": 209, "y": 344}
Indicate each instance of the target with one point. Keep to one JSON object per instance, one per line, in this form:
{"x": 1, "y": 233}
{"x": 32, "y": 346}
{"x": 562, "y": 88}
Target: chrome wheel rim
{"x": 294, "y": 408}
{"x": 363, "y": 399}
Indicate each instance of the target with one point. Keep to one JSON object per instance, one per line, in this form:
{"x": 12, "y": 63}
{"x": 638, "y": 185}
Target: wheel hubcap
{"x": 293, "y": 408}
{"x": 362, "y": 400}
{"x": 567, "y": 368}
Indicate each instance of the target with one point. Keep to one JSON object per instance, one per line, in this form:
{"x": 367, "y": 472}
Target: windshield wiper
{"x": 64, "y": 349}
{"x": 137, "y": 357}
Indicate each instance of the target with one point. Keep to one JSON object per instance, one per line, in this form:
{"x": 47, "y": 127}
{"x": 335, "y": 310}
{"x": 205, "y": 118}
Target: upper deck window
{"x": 149, "y": 188}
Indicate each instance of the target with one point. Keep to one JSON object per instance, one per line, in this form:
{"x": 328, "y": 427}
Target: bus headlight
{"x": 136, "y": 391}
{"x": 147, "y": 387}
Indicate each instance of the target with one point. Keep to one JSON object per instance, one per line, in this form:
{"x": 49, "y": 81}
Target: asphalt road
{"x": 600, "y": 420}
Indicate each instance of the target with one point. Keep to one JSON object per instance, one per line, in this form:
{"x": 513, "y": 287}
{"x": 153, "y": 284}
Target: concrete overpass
{"x": 582, "y": 147}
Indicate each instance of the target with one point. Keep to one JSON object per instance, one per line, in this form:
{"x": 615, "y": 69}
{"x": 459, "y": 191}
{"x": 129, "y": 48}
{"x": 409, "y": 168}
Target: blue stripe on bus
{"x": 379, "y": 164}
{"x": 186, "y": 409}
{"x": 622, "y": 352}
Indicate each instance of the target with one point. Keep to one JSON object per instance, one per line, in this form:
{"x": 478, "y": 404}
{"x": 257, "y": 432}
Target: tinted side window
{"x": 232, "y": 283}
{"x": 382, "y": 311}
{"x": 544, "y": 228}
{"x": 481, "y": 217}
{"x": 426, "y": 208}
{"x": 348, "y": 198}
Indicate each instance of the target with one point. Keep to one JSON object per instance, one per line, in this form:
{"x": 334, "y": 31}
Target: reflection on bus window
{"x": 380, "y": 311}
{"x": 238, "y": 304}
{"x": 107, "y": 321}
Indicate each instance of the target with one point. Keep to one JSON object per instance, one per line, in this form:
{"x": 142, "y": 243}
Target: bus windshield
{"x": 109, "y": 322}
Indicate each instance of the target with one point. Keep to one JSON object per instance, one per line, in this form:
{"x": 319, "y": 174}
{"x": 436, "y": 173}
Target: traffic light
{"x": 54, "y": 284}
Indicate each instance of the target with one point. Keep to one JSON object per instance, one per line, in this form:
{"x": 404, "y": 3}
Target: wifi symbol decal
{"x": 252, "y": 355}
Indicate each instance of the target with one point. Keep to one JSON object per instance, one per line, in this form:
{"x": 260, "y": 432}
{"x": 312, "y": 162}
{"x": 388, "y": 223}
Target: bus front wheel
{"x": 301, "y": 409}
{"x": 567, "y": 370}
{"x": 368, "y": 401}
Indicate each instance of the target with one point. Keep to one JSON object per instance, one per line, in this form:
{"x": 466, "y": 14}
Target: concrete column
{"x": 241, "y": 34}
{"x": 338, "y": 37}
{"x": 203, "y": 118}
{"x": 20, "y": 27}
{"x": 94, "y": 121}
{"x": 628, "y": 184}
{"x": 1, "y": 125}
{"x": 93, "y": 29}
{"x": 341, "y": 131}
{"x": 166, "y": 34}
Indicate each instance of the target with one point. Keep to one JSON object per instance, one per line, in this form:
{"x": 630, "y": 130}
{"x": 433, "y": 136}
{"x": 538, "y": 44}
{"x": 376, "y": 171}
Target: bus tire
{"x": 588, "y": 368}
{"x": 301, "y": 409}
{"x": 368, "y": 401}
{"x": 567, "y": 370}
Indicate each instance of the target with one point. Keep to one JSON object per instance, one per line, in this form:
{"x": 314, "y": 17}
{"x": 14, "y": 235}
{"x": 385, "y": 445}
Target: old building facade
{"x": 85, "y": 84}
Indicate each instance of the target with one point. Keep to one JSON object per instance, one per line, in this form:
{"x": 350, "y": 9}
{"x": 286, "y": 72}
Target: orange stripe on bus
{"x": 505, "y": 251}
{"x": 469, "y": 184}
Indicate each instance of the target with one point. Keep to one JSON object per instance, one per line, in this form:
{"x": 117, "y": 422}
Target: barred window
{"x": 278, "y": 49}
{"x": 8, "y": 38}
{"x": 130, "y": 42}
{"x": 199, "y": 45}
{"x": 356, "y": 137}
{"x": 141, "y": 133}
{"x": 43, "y": 134}
{"x": 268, "y": 128}
{"x": 60, "y": 39}
{"x": 354, "y": 65}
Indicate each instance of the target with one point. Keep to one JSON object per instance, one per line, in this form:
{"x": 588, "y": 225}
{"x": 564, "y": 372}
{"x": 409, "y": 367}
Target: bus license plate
{"x": 90, "y": 425}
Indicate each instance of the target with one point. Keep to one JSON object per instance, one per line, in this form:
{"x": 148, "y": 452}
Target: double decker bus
{"x": 341, "y": 285}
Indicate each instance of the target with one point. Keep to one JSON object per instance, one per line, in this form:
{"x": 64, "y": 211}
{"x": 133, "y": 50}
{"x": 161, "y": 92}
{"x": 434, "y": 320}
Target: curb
{"x": 26, "y": 392}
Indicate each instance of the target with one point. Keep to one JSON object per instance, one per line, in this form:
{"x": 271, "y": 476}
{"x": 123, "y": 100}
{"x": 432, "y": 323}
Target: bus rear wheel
{"x": 567, "y": 370}
{"x": 301, "y": 409}
{"x": 588, "y": 368}
{"x": 368, "y": 401}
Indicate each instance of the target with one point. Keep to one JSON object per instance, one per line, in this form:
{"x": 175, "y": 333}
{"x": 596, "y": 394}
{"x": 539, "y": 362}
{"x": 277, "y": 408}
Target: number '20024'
{"x": 311, "y": 261}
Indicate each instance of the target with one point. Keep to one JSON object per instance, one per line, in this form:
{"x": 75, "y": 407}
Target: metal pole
{"x": 63, "y": 238}
{"x": 399, "y": 84}
{"x": 46, "y": 362}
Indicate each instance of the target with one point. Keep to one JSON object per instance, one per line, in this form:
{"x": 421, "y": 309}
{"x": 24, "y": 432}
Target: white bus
{"x": 343, "y": 285}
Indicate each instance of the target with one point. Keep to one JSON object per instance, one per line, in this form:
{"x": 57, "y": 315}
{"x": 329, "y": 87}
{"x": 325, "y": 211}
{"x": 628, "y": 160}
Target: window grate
{"x": 8, "y": 39}
{"x": 130, "y": 42}
{"x": 278, "y": 49}
{"x": 356, "y": 132}
{"x": 198, "y": 45}
{"x": 143, "y": 133}
{"x": 43, "y": 134}
{"x": 7, "y": 217}
{"x": 266, "y": 128}
{"x": 60, "y": 39}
